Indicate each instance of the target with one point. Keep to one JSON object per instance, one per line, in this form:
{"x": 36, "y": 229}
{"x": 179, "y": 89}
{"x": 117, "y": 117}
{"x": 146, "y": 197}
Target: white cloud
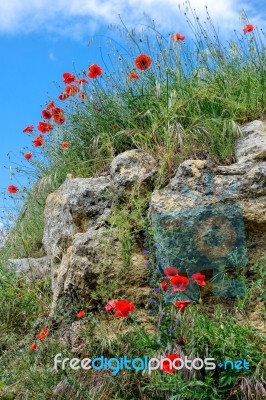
{"x": 51, "y": 56}
{"x": 80, "y": 18}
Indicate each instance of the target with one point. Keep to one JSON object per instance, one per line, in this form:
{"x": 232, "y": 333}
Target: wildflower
{"x": 58, "y": 115}
{"x": 28, "y": 156}
{"x": 64, "y": 145}
{"x": 28, "y": 128}
{"x": 33, "y": 347}
{"x": 166, "y": 365}
{"x": 182, "y": 339}
{"x": 182, "y": 304}
{"x": 44, "y": 127}
{"x": 147, "y": 263}
{"x": 82, "y": 95}
{"x": 81, "y": 314}
{"x": 170, "y": 271}
{"x": 164, "y": 285}
{"x": 71, "y": 90}
{"x": 123, "y": 308}
{"x": 97, "y": 109}
{"x": 143, "y": 62}
{"x": 177, "y": 37}
{"x": 46, "y": 114}
{"x": 133, "y": 76}
{"x": 38, "y": 141}
{"x": 179, "y": 282}
{"x": 94, "y": 71}
{"x": 80, "y": 81}
{"x": 63, "y": 96}
{"x": 199, "y": 278}
{"x": 12, "y": 189}
{"x": 50, "y": 105}
{"x": 21, "y": 286}
{"x": 19, "y": 295}
{"x": 110, "y": 306}
{"x": 68, "y": 77}
{"x": 43, "y": 334}
{"x": 248, "y": 28}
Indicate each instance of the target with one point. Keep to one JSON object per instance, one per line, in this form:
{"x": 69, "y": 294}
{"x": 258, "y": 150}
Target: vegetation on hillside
{"x": 185, "y": 97}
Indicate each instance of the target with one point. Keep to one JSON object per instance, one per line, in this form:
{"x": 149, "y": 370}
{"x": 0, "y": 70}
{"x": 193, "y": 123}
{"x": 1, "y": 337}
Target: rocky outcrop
{"x": 82, "y": 248}
{"x": 207, "y": 216}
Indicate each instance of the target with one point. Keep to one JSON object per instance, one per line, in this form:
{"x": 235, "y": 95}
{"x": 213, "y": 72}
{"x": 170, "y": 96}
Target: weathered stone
{"x": 30, "y": 268}
{"x": 72, "y": 338}
{"x": 77, "y": 205}
{"x": 91, "y": 256}
{"x": 253, "y": 145}
{"x": 203, "y": 196}
{"x": 133, "y": 166}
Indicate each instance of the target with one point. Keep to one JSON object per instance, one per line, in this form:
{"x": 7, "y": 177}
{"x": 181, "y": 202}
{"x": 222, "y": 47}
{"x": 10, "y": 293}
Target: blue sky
{"x": 41, "y": 39}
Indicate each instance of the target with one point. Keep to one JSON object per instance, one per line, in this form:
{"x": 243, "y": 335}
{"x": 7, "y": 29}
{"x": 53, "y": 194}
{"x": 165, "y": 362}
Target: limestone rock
{"x": 72, "y": 338}
{"x": 203, "y": 198}
{"x": 30, "y": 268}
{"x": 133, "y": 166}
{"x": 253, "y": 145}
{"x": 74, "y": 207}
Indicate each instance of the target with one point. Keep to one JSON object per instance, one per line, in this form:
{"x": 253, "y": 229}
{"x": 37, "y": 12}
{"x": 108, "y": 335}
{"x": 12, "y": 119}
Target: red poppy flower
{"x": 64, "y": 145}
{"x": 42, "y": 335}
{"x": 44, "y": 127}
{"x": 38, "y": 141}
{"x": 123, "y": 308}
{"x": 80, "y": 81}
{"x": 28, "y": 156}
{"x": 28, "y": 128}
{"x": 164, "y": 285}
{"x": 63, "y": 96}
{"x": 248, "y": 28}
{"x": 21, "y": 286}
{"x": 170, "y": 271}
{"x": 33, "y": 347}
{"x": 110, "y": 306}
{"x": 46, "y": 114}
{"x": 81, "y": 314}
{"x": 177, "y": 37}
{"x": 68, "y": 77}
{"x": 143, "y": 62}
{"x": 167, "y": 366}
{"x": 94, "y": 71}
{"x": 179, "y": 282}
{"x": 50, "y": 105}
{"x": 82, "y": 95}
{"x": 182, "y": 339}
{"x": 19, "y": 295}
{"x": 58, "y": 115}
{"x": 199, "y": 278}
{"x": 71, "y": 90}
{"x": 182, "y": 304}
{"x": 133, "y": 76}
{"x": 12, "y": 189}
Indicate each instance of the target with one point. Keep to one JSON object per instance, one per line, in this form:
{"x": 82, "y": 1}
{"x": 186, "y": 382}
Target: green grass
{"x": 191, "y": 103}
